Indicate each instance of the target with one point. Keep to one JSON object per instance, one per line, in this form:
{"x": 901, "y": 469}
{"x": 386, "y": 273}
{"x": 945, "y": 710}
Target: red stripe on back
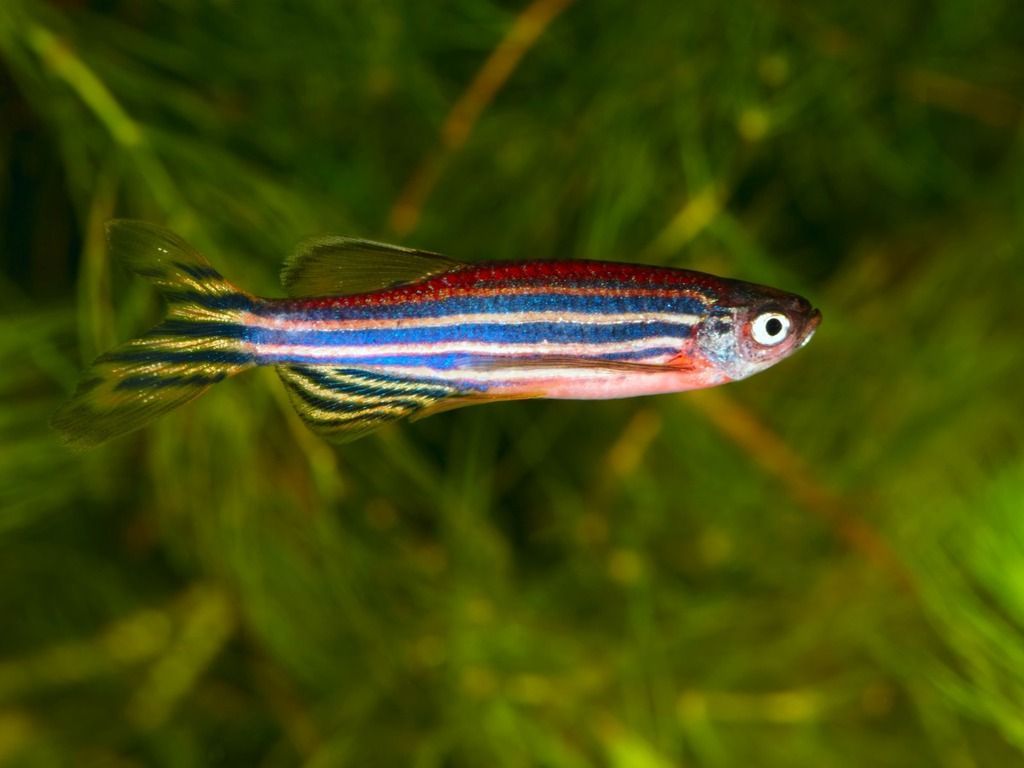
{"x": 591, "y": 278}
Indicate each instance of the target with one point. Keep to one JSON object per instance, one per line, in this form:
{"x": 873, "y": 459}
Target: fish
{"x": 373, "y": 333}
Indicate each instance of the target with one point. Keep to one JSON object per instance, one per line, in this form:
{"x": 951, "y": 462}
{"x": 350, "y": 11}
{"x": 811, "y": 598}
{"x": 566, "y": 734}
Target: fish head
{"x": 749, "y": 328}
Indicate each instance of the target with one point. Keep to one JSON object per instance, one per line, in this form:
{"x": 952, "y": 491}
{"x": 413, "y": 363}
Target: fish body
{"x": 375, "y": 333}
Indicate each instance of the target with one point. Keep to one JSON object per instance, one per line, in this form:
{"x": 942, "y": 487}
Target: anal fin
{"x": 343, "y": 404}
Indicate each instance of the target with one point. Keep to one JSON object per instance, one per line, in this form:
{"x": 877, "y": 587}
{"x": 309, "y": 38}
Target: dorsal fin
{"x": 333, "y": 266}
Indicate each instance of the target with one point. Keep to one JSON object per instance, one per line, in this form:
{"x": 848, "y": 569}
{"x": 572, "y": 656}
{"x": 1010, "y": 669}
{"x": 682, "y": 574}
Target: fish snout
{"x": 810, "y": 326}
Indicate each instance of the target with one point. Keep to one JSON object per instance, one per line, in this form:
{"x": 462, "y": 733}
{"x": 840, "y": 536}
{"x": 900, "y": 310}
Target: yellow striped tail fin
{"x": 200, "y": 343}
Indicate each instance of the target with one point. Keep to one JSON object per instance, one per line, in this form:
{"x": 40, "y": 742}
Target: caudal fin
{"x": 201, "y": 342}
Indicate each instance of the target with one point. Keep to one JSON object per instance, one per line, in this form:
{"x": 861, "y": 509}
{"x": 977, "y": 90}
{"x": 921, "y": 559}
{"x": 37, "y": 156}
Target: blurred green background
{"x": 820, "y": 566}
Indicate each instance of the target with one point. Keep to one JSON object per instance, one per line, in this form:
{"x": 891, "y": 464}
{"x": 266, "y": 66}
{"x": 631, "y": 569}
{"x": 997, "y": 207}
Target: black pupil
{"x": 773, "y": 326}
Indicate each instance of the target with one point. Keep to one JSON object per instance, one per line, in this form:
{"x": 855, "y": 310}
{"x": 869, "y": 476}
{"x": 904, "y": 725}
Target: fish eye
{"x": 770, "y": 328}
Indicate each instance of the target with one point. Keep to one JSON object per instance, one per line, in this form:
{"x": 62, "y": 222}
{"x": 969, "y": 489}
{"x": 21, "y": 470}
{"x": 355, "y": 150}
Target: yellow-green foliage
{"x": 820, "y": 566}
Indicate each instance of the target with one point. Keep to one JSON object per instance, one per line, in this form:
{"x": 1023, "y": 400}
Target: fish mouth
{"x": 810, "y": 326}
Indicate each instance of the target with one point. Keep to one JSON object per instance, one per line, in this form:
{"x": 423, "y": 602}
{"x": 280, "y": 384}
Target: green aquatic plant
{"x": 818, "y": 566}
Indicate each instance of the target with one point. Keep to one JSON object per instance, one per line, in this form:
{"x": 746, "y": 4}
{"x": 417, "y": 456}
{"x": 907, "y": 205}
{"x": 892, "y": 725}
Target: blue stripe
{"x": 519, "y": 333}
{"x": 156, "y": 381}
{"x": 446, "y": 361}
{"x": 175, "y": 356}
{"x": 200, "y": 328}
{"x": 238, "y": 301}
{"x": 367, "y": 383}
{"x": 492, "y": 305}
{"x": 341, "y": 405}
{"x": 198, "y": 271}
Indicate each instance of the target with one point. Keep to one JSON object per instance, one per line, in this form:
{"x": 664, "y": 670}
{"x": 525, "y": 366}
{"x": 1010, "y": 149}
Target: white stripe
{"x": 481, "y": 318}
{"x": 301, "y": 352}
{"x": 539, "y": 375}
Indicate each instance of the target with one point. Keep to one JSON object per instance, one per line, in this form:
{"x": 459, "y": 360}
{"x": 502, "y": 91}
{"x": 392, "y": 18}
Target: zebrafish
{"x": 373, "y": 333}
